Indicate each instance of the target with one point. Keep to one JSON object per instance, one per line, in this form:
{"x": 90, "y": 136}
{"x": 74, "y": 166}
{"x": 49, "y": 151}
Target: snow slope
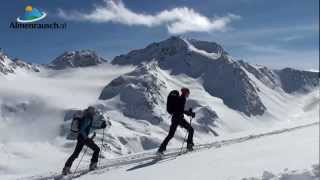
{"x": 295, "y": 150}
{"x": 259, "y": 155}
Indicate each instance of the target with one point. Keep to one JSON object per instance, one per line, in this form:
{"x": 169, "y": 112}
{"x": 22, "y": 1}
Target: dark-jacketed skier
{"x": 85, "y": 124}
{"x": 176, "y": 108}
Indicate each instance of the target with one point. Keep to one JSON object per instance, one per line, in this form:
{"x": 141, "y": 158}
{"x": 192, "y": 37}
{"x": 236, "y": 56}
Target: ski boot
{"x": 66, "y": 171}
{"x": 190, "y": 146}
{"x": 160, "y": 154}
{"x": 93, "y": 166}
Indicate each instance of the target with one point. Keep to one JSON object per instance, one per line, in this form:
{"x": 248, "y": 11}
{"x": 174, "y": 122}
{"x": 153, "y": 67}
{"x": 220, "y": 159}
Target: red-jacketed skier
{"x": 175, "y": 106}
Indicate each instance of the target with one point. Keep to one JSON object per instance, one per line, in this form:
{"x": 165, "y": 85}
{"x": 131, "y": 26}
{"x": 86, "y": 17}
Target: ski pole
{"x": 85, "y": 151}
{"x": 102, "y": 138}
{"x": 101, "y": 145}
{"x": 185, "y": 138}
{"x": 181, "y": 149}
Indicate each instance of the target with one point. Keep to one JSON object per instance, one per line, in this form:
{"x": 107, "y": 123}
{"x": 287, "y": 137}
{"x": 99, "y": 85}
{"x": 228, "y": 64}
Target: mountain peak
{"x": 170, "y": 46}
{"x": 8, "y": 65}
{"x": 175, "y": 49}
{"x": 77, "y": 58}
{"x": 209, "y": 47}
{"x": 293, "y": 80}
{"x": 175, "y": 41}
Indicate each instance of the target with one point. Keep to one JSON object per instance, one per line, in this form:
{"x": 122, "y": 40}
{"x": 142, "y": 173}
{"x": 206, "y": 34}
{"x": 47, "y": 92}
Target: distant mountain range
{"x": 220, "y": 75}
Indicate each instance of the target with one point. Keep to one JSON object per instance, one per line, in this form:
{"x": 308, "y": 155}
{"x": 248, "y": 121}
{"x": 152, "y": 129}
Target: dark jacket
{"x": 179, "y": 109}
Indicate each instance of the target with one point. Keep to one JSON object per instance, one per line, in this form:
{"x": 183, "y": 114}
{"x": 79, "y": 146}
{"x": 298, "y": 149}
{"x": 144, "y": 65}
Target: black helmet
{"x": 91, "y": 109}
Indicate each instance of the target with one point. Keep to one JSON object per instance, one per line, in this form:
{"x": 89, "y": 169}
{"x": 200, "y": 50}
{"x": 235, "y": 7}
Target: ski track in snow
{"x": 170, "y": 153}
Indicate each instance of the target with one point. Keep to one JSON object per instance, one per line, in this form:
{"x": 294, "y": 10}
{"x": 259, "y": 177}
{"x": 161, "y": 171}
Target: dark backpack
{"x": 172, "y": 101}
{"x": 75, "y": 125}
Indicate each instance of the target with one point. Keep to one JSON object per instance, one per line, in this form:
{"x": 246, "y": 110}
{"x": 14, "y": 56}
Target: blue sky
{"x": 269, "y": 32}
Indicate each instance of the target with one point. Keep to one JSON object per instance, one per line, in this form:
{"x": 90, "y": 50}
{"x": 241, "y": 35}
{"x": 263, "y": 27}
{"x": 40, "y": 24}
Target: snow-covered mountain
{"x": 228, "y": 96}
{"x": 73, "y": 59}
{"x": 217, "y": 82}
{"x": 293, "y": 80}
{"x": 140, "y": 90}
{"x": 9, "y": 66}
{"x": 220, "y": 75}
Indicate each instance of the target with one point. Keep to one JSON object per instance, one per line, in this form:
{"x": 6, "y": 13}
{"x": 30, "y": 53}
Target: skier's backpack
{"x": 172, "y": 101}
{"x": 75, "y": 125}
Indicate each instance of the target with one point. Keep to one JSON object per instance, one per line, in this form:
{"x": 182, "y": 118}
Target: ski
{"x": 72, "y": 175}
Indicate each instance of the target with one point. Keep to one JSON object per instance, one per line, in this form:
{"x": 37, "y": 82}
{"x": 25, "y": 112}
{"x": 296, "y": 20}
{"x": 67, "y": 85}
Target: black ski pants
{"x": 175, "y": 122}
{"x": 81, "y": 142}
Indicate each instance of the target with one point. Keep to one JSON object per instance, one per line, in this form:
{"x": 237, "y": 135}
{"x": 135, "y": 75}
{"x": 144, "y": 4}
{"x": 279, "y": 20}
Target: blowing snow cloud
{"x": 177, "y": 20}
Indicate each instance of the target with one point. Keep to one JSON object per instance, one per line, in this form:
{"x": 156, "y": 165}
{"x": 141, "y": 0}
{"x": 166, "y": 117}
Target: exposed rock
{"x": 293, "y": 80}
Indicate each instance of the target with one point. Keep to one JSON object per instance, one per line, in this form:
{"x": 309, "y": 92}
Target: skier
{"x": 85, "y": 124}
{"x": 178, "y": 119}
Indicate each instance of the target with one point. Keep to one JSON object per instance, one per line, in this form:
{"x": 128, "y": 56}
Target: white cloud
{"x": 178, "y": 20}
{"x": 291, "y": 38}
{"x": 313, "y": 70}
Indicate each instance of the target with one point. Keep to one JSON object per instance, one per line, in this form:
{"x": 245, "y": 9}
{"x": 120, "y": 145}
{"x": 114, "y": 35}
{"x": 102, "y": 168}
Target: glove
{"x": 93, "y": 136}
{"x": 103, "y": 125}
{"x": 192, "y": 114}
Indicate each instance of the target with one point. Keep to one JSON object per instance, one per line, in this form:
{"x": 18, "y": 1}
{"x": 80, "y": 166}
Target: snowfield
{"x": 266, "y": 130}
{"x": 295, "y": 150}
{"x": 269, "y": 156}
